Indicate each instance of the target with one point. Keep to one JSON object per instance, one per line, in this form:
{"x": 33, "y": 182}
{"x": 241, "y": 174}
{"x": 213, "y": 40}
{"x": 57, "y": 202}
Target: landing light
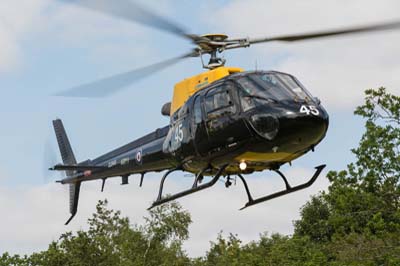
{"x": 243, "y": 166}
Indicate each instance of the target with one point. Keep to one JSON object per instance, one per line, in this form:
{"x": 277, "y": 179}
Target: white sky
{"x": 47, "y": 47}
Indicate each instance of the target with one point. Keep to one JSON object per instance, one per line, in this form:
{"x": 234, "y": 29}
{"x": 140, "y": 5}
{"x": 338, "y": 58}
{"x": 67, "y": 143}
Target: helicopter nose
{"x": 305, "y": 128}
{"x": 291, "y": 127}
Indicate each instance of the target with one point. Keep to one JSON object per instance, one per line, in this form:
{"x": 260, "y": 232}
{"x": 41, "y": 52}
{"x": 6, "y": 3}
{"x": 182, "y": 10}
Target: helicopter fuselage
{"x": 227, "y": 122}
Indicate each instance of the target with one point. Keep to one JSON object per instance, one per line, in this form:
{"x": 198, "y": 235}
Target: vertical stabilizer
{"x": 67, "y": 154}
{"x": 68, "y": 158}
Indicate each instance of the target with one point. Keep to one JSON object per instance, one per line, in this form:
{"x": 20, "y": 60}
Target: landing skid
{"x": 288, "y": 189}
{"x": 196, "y": 187}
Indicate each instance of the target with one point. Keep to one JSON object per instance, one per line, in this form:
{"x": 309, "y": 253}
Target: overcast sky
{"x": 47, "y": 46}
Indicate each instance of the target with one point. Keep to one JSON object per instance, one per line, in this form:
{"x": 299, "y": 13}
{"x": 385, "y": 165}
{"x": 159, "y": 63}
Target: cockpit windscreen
{"x": 274, "y": 86}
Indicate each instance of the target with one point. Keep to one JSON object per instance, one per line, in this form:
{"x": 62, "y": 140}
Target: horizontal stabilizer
{"x": 64, "y": 167}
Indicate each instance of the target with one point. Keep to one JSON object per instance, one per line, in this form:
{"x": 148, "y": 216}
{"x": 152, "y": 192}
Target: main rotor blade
{"x": 322, "y": 34}
{"x": 131, "y": 11}
{"x": 113, "y": 84}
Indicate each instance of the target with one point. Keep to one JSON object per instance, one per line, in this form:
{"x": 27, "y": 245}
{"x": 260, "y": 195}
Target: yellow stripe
{"x": 266, "y": 157}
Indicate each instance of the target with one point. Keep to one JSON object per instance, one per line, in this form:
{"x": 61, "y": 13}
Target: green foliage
{"x": 378, "y": 155}
{"x": 16, "y": 260}
{"x": 314, "y": 223}
{"x": 269, "y": 250}
{"x": 359, "y": 218}
{"x": 224, "y": 251}
{"x": 112, "y": 240}
{"x": 365, "y": 249}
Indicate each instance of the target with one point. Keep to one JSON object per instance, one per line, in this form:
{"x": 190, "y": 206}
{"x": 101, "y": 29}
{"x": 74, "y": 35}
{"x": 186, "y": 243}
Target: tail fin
{"x": 67, "y": 154}
{"x": 68, "y": 158}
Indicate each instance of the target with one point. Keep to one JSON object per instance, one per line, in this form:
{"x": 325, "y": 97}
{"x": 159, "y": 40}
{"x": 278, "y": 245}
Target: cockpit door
{"x": 221, "y": 108}
{"x": 198, "y": 129}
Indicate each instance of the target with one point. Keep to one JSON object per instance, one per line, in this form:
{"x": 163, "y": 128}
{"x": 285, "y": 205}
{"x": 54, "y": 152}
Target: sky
{"x": 48, "y": 46}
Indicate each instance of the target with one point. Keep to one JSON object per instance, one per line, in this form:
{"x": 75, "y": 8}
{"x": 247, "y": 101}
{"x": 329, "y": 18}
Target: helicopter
{"x": 224, "y": 122}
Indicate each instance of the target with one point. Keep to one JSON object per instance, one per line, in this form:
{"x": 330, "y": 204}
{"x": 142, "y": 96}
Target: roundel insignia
{"x": 139, "y": 156}
{"x": 87, "y": 173}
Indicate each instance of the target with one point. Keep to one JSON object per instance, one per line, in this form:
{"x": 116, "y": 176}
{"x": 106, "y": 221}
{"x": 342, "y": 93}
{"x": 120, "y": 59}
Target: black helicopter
{"x": 223, "y": 122}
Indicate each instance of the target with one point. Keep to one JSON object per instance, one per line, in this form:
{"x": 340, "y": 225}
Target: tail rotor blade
{"x": 110, "y": 85}
{"x": 50, "y": 159}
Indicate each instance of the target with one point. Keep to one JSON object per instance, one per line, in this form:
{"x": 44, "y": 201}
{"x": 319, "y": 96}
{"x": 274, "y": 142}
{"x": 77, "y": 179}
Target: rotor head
{"x": 216, "y": 43}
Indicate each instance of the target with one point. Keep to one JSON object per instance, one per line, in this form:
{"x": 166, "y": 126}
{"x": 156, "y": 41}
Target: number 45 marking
{"x": 310, "y": 109}
{"x": 179, "y": 133}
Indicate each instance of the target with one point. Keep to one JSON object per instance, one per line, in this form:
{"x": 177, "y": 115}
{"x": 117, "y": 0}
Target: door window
{"x": 218, "y": 102}
{"x": 197, "y": 110}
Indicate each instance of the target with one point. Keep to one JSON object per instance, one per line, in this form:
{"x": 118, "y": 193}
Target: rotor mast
{"x": 214, "y": 44}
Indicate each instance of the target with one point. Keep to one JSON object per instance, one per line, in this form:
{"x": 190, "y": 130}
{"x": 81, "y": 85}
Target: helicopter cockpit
{"x": 271, "y": 87}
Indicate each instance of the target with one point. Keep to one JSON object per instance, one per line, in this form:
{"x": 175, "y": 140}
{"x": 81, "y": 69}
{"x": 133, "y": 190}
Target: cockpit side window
{"x": 218, "y": 101}
{"x": 197, "y": 110}
{"x": 246, "y": 101}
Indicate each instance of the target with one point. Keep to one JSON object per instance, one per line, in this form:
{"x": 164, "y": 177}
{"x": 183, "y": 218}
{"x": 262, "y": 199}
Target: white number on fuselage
{"x": 310, "y": 109}
{"x": 179, "y": 133}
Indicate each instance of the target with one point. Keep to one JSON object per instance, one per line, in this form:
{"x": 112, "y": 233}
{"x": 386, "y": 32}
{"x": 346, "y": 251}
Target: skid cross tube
{"x": 194, "y": 188}
{"x": 246, "y": 187}
{"x": 163, "y": 180}
{"x": 141, "y": 179}
{"x": 102, "y": 184}
{"x": 199, "y": 177}
{"x": 284, "y": 179}
{"x": 288, "y": 189}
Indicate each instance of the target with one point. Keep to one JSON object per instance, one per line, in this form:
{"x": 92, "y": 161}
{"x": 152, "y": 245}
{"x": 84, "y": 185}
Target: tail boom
{"x": 138, "y": 157}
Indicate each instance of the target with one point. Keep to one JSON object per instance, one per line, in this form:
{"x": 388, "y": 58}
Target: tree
{"x": 16, "y": 260}
{"x": 360, "y": 213}
{"x": 112, "y": 240}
